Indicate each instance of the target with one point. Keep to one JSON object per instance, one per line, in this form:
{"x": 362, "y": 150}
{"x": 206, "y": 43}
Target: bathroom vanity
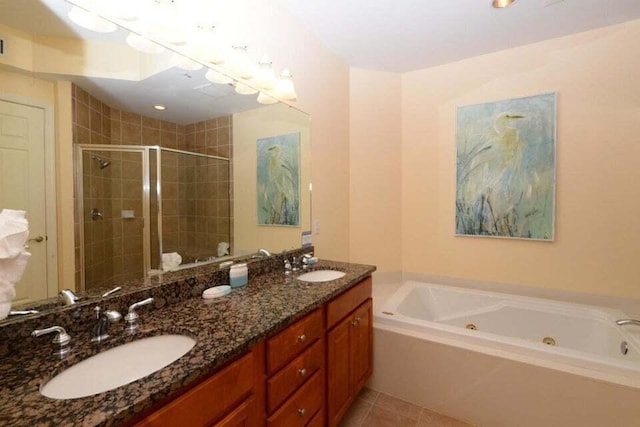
{"x": 277, "y": 352}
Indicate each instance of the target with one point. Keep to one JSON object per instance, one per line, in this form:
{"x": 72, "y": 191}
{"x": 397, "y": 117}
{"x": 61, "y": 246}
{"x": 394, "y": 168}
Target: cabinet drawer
{"x": 209, "y": 400}
{"x": 300, "y": 408}
{"x": 317, "y": 420}
{"x": 290, "y": 342}
{"x": 293, "y": 375}
{"x": 348, "y": 301}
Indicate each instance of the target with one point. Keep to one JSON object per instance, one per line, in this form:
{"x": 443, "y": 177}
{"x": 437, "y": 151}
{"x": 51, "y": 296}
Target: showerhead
{"x": 102, "y": 162}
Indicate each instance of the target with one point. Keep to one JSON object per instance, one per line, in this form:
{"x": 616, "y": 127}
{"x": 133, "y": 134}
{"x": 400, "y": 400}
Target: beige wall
{"x": 375, "y": 169}
{"x": 248, "y": 127}
{"x": 322, "y": 84}
{"x": 598, "y": 164}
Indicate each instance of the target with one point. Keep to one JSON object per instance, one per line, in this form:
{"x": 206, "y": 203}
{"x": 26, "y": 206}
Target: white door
{"x": 22, "y": 186}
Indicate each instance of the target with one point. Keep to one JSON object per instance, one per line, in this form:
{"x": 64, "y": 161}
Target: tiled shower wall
{"x": 196, "y": 214}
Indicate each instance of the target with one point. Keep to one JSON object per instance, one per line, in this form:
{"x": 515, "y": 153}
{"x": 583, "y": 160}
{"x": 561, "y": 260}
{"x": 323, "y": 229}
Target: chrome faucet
{"x": 301, "y": 261}
{"x": 68, "y": 297}
{"x": 116, "y": 289}
{"x": 132, "y": 317}
{"x": 262, "y": 253}
{"x": 101, "y": 328}
{"x": 62, "y": 339}
{"x": 623, "y": 322}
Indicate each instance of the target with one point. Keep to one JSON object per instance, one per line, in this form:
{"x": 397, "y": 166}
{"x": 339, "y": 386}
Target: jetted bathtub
{"x": 498, "y": 359}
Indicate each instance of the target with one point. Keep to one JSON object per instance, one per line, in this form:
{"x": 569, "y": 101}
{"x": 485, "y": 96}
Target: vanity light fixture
{"x": 218, "y": 78}
{"x": 91, "y": 21}
{"x": 143, "y": 44}
{"x": 498, "y": 4}
{"x": 266, "y": 99}
{"x": 243, "y": 89}
{"x": 159, "y": 107}
{"x": 203, "y": 44}
{"x": 157, "y": 25}
{"x": 185, "y": 63}
{"x": 284, "y": 87}
{"x": 265, "y": 77}
{"x": 239, "y": 63}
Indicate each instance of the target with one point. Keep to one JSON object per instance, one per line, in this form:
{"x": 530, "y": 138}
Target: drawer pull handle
{"x": 302, "y": 372}
{"x": 356, "y": 322}
{"x": 302, "y": 338}
{"x": 302, "y": 412}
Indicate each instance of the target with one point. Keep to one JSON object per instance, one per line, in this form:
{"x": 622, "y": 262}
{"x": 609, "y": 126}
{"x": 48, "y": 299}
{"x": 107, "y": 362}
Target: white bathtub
{"x": 501, "y": 373}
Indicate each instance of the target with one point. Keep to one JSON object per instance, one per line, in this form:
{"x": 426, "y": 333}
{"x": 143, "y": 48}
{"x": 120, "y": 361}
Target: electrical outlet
{"x": 316, "y": 226}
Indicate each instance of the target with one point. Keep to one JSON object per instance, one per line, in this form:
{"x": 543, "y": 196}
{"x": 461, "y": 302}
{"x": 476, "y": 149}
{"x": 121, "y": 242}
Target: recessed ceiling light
{"x": 159, "y": 107}
{"x": 502, "y": 3}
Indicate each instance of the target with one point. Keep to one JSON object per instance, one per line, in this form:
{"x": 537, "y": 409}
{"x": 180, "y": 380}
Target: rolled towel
{"x": 7, "y": 291}
{"x": 11, "y": 270}
{"x": 14, "y": 232}
{"x": 171, "y": 261}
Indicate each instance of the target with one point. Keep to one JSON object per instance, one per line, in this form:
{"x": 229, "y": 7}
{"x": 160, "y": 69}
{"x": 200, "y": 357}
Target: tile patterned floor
{"x": 374, "y": 409}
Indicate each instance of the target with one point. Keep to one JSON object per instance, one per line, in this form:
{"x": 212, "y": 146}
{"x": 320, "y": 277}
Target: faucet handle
{"x": 62, "y": 339}
{"x": 68, "y": 297}
{"x": 132, "y": 316}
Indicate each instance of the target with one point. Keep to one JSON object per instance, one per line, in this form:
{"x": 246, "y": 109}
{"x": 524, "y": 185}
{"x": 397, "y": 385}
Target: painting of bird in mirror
{"x": 278, "y": 186}
{"x": 505, "y": 176}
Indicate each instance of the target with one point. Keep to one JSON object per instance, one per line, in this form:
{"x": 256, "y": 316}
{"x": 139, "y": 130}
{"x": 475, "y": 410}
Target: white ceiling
{"x": 405, "y": 35}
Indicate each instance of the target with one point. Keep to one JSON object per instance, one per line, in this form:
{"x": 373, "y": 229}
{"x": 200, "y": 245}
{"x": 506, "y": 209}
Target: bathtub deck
{"x": 374, "y": 409}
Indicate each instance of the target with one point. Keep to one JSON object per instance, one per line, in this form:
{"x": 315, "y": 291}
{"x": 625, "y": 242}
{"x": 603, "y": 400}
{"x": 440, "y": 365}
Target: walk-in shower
{"x": 135, "y": 203}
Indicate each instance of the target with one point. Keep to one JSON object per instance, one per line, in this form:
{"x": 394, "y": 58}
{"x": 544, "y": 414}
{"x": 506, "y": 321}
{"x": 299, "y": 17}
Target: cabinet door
{"x": 242, "y": 416}
{"x": 339, "y": 362}
{"x": 361, "y": 345}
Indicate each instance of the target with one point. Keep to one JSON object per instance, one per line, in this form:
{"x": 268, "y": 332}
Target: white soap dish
{"x": 216, "y": 292}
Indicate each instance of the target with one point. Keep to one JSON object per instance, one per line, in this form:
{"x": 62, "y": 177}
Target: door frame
{"x": 50, "y": 148}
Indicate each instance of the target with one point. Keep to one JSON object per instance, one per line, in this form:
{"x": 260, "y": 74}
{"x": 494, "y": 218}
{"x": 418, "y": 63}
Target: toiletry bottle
{"x": 238, "y": 275}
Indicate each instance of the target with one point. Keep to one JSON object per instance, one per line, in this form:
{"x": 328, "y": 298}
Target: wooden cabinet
{"x": 349, "y": 349}
{"x": 225, "y": 399}
{"x": 295, "y": 361}
{"x": 300, "y": 377}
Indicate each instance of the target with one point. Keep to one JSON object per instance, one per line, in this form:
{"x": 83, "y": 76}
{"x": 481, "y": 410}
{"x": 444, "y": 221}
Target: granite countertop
{"x": 223, "y": 328}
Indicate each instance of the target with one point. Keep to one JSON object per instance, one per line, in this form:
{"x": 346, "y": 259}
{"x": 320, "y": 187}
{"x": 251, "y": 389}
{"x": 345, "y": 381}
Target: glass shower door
{"x": 113, "y": 199}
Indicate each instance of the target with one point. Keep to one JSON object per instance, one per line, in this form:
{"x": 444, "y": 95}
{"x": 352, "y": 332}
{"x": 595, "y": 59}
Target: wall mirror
{"x": 192, "y": 179}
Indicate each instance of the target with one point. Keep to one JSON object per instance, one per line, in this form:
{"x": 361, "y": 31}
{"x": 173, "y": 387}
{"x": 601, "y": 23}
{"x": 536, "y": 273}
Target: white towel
{"x": 14, "y": 232}
{"x": 171, "y": 261}
{"x": 7, "y": 291}
{"x": 11, "y": 270}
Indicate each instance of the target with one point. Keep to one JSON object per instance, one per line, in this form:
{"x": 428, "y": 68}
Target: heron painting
{"x": 505, "y": 176}
{"x": 278, "y": 186}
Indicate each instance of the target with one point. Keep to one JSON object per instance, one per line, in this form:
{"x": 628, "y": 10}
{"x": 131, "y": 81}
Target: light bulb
{"x": 91, "y": 21}
{"x": 284, "y": 88}
{"x": 266, "y": 99}
{"x": 243, "y": 89}
{"x": 218, "y": 78}
{"x": 239, "y": 63}
{"x": 203, "y": 44}
{"x": 143, "y": 44}
{"x": 502, "y": 3}
{"x": 265, "y": 77}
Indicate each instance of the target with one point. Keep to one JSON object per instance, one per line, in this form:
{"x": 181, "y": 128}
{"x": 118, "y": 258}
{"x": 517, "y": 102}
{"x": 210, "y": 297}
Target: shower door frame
{"x": 146, "y": 222}
{"x": 146, "y": 194}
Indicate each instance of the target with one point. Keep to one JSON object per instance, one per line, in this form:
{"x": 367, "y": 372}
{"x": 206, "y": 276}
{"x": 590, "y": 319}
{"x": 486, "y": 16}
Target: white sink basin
{"x": 321, "y": 276}
{"x": 117, "y": 366}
